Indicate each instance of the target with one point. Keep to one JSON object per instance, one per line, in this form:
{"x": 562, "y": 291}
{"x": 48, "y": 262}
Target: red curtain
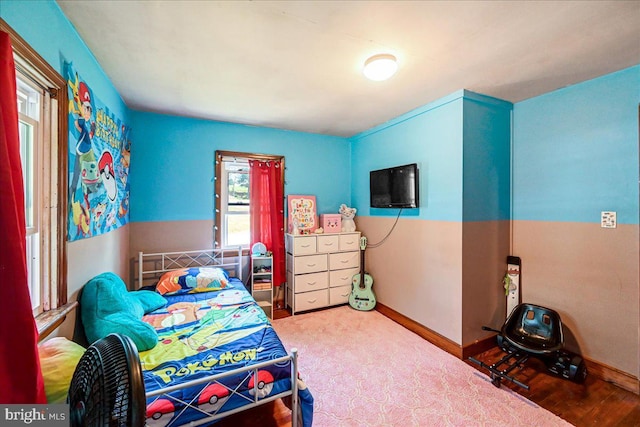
{"x": 20, "y": 376}
{"x": 267, "y": 211}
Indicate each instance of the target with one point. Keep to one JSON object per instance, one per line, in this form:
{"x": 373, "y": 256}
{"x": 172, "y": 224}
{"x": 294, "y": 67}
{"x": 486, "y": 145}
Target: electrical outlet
{"x": 608, "y": 219}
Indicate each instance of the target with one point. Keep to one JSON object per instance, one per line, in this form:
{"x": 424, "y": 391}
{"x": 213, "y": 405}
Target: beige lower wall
{"x": 418, "y": 270}
{"x": 166, "y": 236}
{"x": 589, "y": 275}
{"x": 484, "y": 253}
{"x": 170, "y": 236}
{"x": 447, "y": 276}
{"x": 87, "y": 258}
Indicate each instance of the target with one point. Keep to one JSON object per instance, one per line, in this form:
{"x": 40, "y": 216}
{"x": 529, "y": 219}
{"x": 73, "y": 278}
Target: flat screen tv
{"x": 395, "y": 187}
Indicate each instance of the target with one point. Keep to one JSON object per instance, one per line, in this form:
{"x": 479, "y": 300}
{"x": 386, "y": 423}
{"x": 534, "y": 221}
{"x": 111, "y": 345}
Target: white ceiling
{"x": 297, "y": 64}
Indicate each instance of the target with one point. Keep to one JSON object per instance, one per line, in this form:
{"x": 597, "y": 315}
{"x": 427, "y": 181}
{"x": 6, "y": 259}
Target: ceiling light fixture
{"x": 380, "y": 67}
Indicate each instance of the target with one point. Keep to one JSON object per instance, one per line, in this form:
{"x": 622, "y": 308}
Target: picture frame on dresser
{"x": 302, "y": 214}
{"x": 320, "y": 268}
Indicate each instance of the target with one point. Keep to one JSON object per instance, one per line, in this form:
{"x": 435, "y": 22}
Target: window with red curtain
{"x": 266, "y": 195}
{"x": 20, "y": 377}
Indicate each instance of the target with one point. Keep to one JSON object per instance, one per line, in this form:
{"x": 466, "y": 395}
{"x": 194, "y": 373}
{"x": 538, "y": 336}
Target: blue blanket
{"x": 208, "y": 333}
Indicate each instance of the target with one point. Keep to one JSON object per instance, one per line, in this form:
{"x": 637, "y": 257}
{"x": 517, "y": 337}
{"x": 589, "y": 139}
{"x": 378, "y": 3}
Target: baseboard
{"x": 612, "y": 375}
{"x": 433, "y": 337}
{"x": 478, "y": 346}
{"x": 599, "y": 370}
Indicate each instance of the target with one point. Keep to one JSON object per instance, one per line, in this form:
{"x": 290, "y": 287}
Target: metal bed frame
{"x": 152, "y": 265}
{"x": 159, "y": 263}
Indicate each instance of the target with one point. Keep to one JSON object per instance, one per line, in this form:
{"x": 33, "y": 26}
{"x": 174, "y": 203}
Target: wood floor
{"x": 593, "y": 403}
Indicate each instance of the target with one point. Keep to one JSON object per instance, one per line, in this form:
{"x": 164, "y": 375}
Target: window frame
{"x": 224, "y": 205}
{"x": 35, "y": 164}
{"x": 218, "y": 209}
{"x": 37, "y": 135}
{"x": 31, "y": 64}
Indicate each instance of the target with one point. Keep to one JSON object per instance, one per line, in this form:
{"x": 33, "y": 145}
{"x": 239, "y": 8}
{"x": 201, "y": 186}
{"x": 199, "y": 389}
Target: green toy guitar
{"x": 362, "y": 296}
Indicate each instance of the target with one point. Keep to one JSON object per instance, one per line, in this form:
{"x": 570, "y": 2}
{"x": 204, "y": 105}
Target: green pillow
{"x": 150, "y": 300}
{"x": 107, "y": 307}
{"x": 58, "y": 360}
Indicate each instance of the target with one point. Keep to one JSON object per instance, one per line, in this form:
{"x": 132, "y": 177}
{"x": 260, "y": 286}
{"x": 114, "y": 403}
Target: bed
{"x": 217, "y": 353}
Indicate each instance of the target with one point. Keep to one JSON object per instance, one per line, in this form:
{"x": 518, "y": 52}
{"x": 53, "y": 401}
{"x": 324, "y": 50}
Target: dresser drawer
{"x": 349, "y": 242}
{"x": 342, "y": 277}
{"x": 311, "y": 300}
{"x": 328, "y": 243}
{"x": 301, "y": 245}
{"x": 309, "y": 264}
{"x": 339, "y": 295}
{"x": 311, "y": 282}
{"x": 343, "y": 260}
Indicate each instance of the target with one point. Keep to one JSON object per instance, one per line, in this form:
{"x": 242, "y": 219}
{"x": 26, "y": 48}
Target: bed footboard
{"x": 251, "y": 402}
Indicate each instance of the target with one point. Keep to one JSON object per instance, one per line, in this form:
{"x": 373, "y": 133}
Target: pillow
{"x": 107, "y": 307}
{"x": 149, "y": 300}
{"x": 58, "y": 360}
{"x": 191, "y": 280}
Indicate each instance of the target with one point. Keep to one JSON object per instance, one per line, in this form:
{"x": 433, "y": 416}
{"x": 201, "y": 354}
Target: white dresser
{"x": 320, "y": 268}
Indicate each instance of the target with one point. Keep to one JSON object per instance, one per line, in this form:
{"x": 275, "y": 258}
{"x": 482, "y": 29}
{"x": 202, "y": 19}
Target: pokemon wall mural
{"x": 99, "y": 149}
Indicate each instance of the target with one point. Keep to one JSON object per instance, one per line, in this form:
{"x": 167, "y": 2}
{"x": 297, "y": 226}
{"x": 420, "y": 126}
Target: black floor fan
{"x": 107, "y": 388}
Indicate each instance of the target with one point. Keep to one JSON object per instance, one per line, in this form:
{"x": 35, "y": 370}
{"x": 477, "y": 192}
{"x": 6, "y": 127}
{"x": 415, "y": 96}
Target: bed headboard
{"x": 153, "y": 265}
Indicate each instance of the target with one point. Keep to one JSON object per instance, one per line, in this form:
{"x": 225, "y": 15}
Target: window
{"x": 30, "y": 103}
{"x": 232, "y": 198}
{"x": 234, "y": 206}
{"x": 42, "y": 102}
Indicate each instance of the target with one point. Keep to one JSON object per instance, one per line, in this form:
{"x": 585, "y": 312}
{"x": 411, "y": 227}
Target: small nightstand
{"x": 262, "y": 283}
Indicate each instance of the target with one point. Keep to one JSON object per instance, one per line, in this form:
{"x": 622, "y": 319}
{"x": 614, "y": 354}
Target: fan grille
{"x": 107, "y": 388}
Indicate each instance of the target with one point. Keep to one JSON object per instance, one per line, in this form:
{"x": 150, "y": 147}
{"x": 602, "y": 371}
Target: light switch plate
{"x": 608, "y": 219}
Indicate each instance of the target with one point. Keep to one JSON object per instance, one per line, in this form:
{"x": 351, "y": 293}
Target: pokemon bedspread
{"x": 208, "y": 333}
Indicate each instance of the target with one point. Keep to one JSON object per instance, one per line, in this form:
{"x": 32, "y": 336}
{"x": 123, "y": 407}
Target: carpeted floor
{"x": 363, "y": 369}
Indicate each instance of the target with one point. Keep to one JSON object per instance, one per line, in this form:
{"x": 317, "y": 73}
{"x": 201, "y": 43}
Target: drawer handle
{"x": 311, "y": 265}
{"x": 344, "y": 277}
{"x": 312, "y": 300}
{"x": 344, "y": 261}
{"x": 344, "y": 295}
{"x": 311, "y": 283}
{"x": 306, "y": 246}
{"x": 328, "y": 244}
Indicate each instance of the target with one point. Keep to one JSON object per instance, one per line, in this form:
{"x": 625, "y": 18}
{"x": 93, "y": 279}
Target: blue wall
{"x": 172, "y": 165}
{"x": 171, "y": 173}
{"x": 461, "y": 144}
{"x": 430, "y": 136}
{"x": 486, "y": 158}
{"x": 43, "y": 25}
{"x": 576, "y": 151}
